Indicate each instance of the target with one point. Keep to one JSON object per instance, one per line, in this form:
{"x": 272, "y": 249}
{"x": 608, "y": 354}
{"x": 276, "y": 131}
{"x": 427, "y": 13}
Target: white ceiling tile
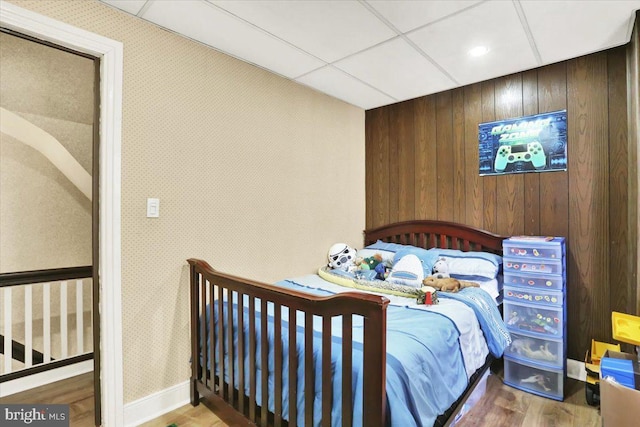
{"x": 329, "y": 30}
{"x": 201, "y": 21}
{"x": 342, "y": 86}
{"x": 129, "y": 6}
{"x": 397, "y": 69}
{"x": 568, "y": 29}
{"x": 406, "y": 15}
{"x": 449, "y": 41}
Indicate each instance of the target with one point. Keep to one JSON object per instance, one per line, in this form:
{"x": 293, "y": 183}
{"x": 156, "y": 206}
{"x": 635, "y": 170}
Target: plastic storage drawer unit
{"x": 548, "y": 266}
{"x": 541, "y": 350}
{"x": 534, "y": 378}
{"x": 534, "y": 296}
{"x": 542, "y": 281}
{"x": 534, "y": 247}
{"x": 541, "y": 320}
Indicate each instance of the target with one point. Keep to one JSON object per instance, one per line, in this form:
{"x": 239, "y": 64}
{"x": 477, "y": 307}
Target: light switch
{"x": 153, "y": 208}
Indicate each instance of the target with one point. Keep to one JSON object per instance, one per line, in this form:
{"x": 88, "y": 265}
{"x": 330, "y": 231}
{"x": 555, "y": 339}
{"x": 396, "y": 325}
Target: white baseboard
{"x": 576, "y": 370}
{"x": 43, "y": 378}
{"x": 156, "y": 404}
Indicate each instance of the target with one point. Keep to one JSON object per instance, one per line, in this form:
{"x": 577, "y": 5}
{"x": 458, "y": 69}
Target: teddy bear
{"x": 448, "y": 284}
{"x": 440, "y": 269}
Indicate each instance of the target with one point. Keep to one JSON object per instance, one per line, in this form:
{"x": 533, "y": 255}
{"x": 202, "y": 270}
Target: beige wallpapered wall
{"x": 256, "y": 174}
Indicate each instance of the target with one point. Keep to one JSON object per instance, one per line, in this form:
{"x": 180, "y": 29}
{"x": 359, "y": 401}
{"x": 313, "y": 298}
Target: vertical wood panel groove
{"x": 588, "y": 204}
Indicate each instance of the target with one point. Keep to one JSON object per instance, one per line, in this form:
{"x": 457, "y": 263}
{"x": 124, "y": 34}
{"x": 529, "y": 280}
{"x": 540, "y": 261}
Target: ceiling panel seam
{"x": 527, "y": 31}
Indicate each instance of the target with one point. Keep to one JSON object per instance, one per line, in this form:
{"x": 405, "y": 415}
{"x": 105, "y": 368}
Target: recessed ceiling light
{"x": 478, "y": 51}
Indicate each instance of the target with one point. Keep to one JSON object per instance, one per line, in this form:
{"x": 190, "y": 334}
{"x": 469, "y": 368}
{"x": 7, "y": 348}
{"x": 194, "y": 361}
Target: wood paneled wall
{"x": 422, "y": 163}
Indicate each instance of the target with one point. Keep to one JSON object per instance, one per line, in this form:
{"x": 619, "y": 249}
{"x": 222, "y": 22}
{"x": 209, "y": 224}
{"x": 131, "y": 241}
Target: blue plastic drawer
{"x": 534, "y": 296}
{"x": 534, "y": 379}
{"x": 542, "y": 281}
{"x": 534, "y": 247}
{"x": 544, "y": 321}
{"x": 548, "y": 266}
{"x": 544, "y": 351}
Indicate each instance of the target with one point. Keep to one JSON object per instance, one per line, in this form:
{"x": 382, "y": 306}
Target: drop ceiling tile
{"x": 448, "y": 42}
{"x": 342, "y": 86}
{"x": 407, "y": 15}
{"x": 203, "y": 22}
{"x": 329, "y": 30}
{"x": 129, "y": 6}
{"x": 564, "y": 29}
{"x": 397, "y": 69}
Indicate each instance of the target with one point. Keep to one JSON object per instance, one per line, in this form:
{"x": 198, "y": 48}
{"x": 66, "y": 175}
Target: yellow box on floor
{"x": 619, "y": 405}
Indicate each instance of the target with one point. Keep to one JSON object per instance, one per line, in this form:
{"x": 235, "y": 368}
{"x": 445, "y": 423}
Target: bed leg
{"x": 195, "y": 396}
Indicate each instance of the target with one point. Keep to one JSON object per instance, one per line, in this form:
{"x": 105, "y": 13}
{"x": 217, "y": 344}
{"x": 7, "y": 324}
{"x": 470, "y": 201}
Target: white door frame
{"x": 111, "y": 57}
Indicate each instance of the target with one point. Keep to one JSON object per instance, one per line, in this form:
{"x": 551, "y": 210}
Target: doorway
{"x": 49, "y": 115}
{"x": 110, "y": 53}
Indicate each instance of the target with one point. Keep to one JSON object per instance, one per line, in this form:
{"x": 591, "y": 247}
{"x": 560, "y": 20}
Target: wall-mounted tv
{"x": 536, "y": 143}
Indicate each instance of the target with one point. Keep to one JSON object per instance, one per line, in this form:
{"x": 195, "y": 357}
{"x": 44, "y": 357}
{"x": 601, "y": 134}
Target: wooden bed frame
{"x": 209, "y": 287}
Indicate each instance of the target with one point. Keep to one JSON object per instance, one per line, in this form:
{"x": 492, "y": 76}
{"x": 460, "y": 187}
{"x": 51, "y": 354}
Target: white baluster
{"x": 79, "y": 319}
{"x": 46, "y": 319}
{"x": 28, "y": 327}
{"x": 8, "y": 356}
{"x": 63, "y": 320}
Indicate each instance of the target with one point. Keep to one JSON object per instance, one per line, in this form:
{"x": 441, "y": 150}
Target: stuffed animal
{"x": 369, "y": 263}
{"x": 523, "y": 346}
{"x": 341, "y": 256}
{"x": 440, "y": 269}
{"x": 448, "y": 284}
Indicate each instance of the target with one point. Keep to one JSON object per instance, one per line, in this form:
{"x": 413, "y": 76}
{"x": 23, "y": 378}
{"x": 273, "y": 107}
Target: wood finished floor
{"x": 501, "y": 406}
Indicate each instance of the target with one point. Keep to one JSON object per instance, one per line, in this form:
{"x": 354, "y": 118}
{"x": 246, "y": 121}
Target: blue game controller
{"x": 531, "y": 152}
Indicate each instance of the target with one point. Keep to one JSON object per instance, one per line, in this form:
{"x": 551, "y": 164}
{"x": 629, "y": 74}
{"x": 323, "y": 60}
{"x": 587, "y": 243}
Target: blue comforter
{"x": 425, "y": 368}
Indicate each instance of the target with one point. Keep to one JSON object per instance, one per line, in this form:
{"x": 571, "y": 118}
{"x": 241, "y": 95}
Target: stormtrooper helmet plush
{"x": 341, "y": 256}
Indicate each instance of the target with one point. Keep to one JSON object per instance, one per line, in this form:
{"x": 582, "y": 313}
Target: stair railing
{"x": 44, "y": 353}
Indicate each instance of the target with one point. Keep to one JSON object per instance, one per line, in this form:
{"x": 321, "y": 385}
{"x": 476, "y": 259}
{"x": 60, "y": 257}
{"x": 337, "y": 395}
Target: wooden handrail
{"x": 49, "y": 275}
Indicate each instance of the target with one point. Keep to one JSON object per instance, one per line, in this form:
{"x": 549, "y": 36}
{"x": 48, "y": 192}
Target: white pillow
{"x": 470, "y": 265}
{"x": 407, "y": 271}
{"x": 469, "y": 268}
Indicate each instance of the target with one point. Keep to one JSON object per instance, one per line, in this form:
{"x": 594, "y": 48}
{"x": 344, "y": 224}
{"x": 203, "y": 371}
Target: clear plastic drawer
{"x": 533, "y": 295}
{"x": 549, "y": 266}
{"x": 541, "y": 281}
{"x": 544, "y": 321}
{"x": 540, "y": 350}
{"x": 534, "y": 379}
{"x": 532, "y": 247}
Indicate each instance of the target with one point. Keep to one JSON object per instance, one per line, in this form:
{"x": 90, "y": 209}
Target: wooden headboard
{"x": 441, "y": 234}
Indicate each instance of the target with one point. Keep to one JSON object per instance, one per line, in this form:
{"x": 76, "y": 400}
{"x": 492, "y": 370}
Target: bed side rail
{"x": 209, "y": 287}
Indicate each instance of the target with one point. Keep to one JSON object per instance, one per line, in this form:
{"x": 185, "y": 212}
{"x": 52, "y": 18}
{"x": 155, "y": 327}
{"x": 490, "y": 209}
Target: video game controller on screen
{"x": 531, "y": 152}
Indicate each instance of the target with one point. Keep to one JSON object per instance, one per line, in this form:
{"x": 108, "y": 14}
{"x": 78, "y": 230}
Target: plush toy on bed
{"x": 448, "y": 284}
{"x": 440, "y": 269}
{"x": 341, "y": 256}
{"x": 369, "y": 263}
{"x": 374, "y": 263}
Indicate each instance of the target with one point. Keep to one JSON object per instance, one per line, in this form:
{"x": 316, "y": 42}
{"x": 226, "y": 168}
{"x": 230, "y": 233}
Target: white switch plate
{"x": 153, "y": 208}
